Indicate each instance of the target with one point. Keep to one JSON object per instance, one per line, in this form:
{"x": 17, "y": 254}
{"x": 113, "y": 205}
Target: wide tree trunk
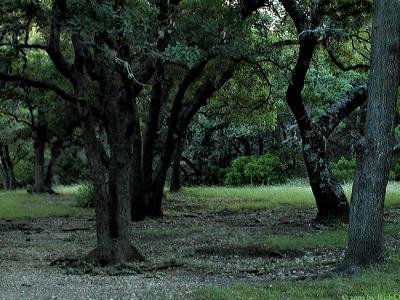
{"x": 8, "y": 168}
{"x": 365, "y": 243}
{"x": 112, "y": 184}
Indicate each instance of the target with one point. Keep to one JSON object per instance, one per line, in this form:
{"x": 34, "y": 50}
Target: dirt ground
{"x": 186, "y": 252}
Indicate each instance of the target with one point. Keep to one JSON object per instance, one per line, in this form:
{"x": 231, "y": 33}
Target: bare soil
{"x": 185, "y": 253}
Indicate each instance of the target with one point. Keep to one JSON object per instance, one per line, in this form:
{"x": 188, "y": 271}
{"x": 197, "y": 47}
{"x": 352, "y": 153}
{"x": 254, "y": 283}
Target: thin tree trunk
{"x": 260, "y": 141}
{"x": 56, "y": 150}
{"x": 175, "y": 181}
{"x": 365, "y": 243}
{"x": 330, "y": 198}
{"x": 328, "y": 193}
{"x": 39, "y": 185}
{"x": 8, "y": 168}
{"x": 247, "y": 147}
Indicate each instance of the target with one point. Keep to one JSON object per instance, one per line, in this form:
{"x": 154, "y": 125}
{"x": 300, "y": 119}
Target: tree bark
{"x": 365, "y": 243}
{"x": 8, "y": 168}
{"x": 328, "y": 193}
{"x": 329, "y": 196}
{"x": 175, "y": 180}
{"x": 39, "y": 145}
{"x": 260, "y": 142}
{"x": 112, "y": 183}
{"x": 247, "y": 147}
{"x": 56, "y": 150}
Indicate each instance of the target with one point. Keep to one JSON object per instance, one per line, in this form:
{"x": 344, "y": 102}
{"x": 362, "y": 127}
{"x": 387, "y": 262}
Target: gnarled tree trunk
{"x": 111, "y": 178}
{"x": 328, "y": 193}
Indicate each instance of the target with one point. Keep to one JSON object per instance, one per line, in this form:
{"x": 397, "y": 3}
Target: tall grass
{"x": 296, "y": 194}
{"x": 20, "y": 204}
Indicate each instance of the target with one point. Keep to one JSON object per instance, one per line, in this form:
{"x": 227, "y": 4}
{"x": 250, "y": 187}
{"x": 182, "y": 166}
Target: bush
{"x": 86, "y": 195}
{"x": 72, "y": 167}
{"x": 267, "y": 169}
{"x": 235, "y": 176}
{"x": 395, "y": 171}
{"x": 24, "y": 171}
{"x": 344, "y": 169}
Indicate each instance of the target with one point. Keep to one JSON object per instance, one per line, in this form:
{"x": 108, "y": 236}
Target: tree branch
{"x": 342, "y": 67}
{"x": 336, "y": 112}
{"x": 53, "y": 47}
{"x": 297, "y": 15}
{"x": 250, "y": 6}
{"x": 38, "y": 84}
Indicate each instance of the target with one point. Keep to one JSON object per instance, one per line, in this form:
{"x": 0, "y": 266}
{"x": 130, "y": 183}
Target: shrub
{"x": 344, "y": 169}
{"x": 86, "y": 196}
{"x": 267, "y": 169}
{"x": 395, "y": 171}
{"x": 235, "y": 176}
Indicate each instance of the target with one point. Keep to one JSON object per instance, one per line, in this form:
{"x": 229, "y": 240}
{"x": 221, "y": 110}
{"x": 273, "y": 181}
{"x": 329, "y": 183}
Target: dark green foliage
{"x": 72, "y": 167}
{"x": 395, "y": 171}
{"x": 236, "y": 175}
{"x": 23, "y": 171}
{"x": 86, "y": 196}
{"x": 344, "y": 169}
{"x": 267, "y": 169}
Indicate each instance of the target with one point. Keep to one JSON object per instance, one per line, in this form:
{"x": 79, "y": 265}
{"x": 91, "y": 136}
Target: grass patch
{"x": 20, "y": 204}
{"x": 373, "y": 283}
{"x": 264, "y": 197}
{"x": 335, "y": 237}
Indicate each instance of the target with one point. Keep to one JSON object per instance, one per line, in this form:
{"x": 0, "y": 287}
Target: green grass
{"x": 263, "y": 197}
{"x": 20, "y": 204}
{"x": 331, "y": 237}
{"x": 379, "y": 283}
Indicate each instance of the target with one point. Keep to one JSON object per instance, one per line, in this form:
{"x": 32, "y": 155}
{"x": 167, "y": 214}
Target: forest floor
{"x": 199, "y": 250}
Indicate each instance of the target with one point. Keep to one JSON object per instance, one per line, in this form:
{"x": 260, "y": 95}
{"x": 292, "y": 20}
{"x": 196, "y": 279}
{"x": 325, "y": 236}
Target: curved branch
{"x": 336, "y": 112}
{"x": 38, "y": 84}
{"x": 344, "y": 68}
{"x": 53, "y": 47}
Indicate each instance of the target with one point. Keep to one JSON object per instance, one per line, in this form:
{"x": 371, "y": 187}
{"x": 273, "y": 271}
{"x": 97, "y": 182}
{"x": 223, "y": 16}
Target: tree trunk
{"x": 56, "y": 150}
{"x": 329, "y": 196}
{"x": 365, "y": 243}
{"x": 39, "y": 185}
{"x": 247, "y": 147}
{"x": 328, "y": 193}
{"x": 260, "y": 141}
{"x": 175, "y": 181}
{"x": 113, "y": 187}
{"x": 8, "y": 168}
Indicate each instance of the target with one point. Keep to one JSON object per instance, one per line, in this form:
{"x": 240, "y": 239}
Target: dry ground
{"x": 186, "y": 252}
